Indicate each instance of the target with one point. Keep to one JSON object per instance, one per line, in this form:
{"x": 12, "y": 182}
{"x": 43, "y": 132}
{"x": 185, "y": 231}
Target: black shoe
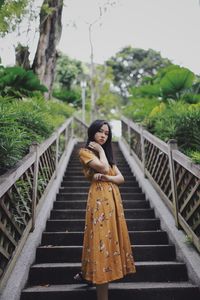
{"x": 79, "y": 278}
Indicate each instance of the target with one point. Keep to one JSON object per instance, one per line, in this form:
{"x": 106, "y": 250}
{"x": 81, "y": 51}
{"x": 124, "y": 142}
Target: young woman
{"x": 107, "y": 254}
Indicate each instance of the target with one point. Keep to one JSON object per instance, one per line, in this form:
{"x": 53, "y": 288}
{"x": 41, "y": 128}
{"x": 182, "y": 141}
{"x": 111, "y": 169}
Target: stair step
{"x": 81, "y": 204}
{"x": 58, "y": 254}
{"x": 83, "y": 196}
{"x": 76, "y": 238}
{"x": 77, "y": 163}
{"x": 81, "y": 177}
{"x": 158, "y": 275}
{"x": 83, "y": 183}
{"x": 83, "y": 189}
{"x": 63, "y": 273}
{"x": 77, "y": 225}
{"x": 80, "y": 213}
{"x": 122, "y": 167}
{"x": 70, "y": 173}
{"x": 117, "y": 291}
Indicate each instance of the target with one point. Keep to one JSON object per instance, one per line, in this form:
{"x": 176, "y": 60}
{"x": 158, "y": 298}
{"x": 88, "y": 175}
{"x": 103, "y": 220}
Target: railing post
{"x": 57, "y": 152}
{"x": 173, "y": 146}
{"x": 34, "y": 148}
{"x": 66, "y": 136}
{"x": 129, "y": 136}
{"x": 143, "y": 150}
{"x": 72, "y": 127}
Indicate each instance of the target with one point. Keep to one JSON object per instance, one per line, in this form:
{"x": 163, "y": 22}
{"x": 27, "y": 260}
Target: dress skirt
{"x": 107, "y": 253}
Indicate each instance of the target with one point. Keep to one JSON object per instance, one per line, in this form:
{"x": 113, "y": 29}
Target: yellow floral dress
{"x": 107, "y": 254}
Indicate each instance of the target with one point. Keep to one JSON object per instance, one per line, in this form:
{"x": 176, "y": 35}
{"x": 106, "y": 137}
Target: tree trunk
{"x": 50, "y": 32}
{"x": 22, "y": 56}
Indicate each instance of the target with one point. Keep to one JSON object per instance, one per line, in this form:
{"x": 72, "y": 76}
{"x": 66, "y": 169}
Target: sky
{"x": 171, "y": 27}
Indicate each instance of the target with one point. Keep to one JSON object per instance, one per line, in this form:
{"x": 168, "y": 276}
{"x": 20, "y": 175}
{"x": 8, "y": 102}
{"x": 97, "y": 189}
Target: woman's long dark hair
{"x": 95, "y": 127}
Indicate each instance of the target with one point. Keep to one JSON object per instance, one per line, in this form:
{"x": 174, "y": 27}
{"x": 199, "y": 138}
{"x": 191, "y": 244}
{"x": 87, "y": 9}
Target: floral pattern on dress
{"x": 107, "y": 253}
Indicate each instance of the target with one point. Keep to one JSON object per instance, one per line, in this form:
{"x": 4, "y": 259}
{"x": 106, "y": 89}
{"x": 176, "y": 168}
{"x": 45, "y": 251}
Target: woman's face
{"x": 101, "y": 136}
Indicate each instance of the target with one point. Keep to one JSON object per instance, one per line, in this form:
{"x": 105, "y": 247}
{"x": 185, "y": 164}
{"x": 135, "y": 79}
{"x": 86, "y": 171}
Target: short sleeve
{"x": 85, "y": 156}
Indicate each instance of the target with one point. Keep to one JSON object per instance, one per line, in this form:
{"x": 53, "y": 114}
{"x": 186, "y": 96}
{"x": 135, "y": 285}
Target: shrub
{"x": 191, "y": 98}
{"x": 139, "y": 108}
{"x": 179, "y": 121}
{"x": 23, "y": 122}
{"x": 68, "y": 96}
{"x": 16, "y": 82}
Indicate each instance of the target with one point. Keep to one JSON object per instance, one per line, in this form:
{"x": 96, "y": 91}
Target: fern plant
{"x": 18, "y": 83}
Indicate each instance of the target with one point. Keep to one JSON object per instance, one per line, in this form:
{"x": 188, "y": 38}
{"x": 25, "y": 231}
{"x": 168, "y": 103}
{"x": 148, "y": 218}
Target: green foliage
{"x": 172, "y": 82}
{"x": 67, "y": 80}
{"x": 18, "y": 83}
{"x": 191, "y": 98}
{"x": 175, "y": 81}
{"x": 107, "y": 106}
{"x": 179, "y": 121}
{"x": 146, "y": 91}
{"x": 67, "y": 71}
{"x": 11, "y": 13}
{"x": 107, "y": 101}
{"x": 194, "y": 155}
{"x": 131, "y": 65}
{"x": 46, "y": 10}
{"x": 23, "y": 122}
{"x": 72, "y": 96}
{"x": 139, "y": 108}
{"x": 172, "y": 120}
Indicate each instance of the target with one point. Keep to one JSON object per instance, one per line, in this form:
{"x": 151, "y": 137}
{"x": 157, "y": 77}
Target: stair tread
{"x": 145, "y": 263}
{"x": 80, "y": 210}
{"x": 78, "y": 220}
{"x": 79, "y": 246}
{"x": 116, "y": 285}
{"x": 78, "y": 231}
{"x": 159, "y": 273}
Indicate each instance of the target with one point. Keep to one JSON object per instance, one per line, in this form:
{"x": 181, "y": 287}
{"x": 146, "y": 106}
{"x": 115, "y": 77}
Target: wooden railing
{"x": 23, "y": 190}
{"x": 80, "y": 129}
{"x": 173, "y": 174}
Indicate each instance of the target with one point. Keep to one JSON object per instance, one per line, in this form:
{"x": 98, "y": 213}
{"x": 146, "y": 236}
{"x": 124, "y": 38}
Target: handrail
{"x": 173, "y": 174}
{"x": 80, "y": 129}
{"x": 7, "y": 180}
{"x": 23, "y": 190}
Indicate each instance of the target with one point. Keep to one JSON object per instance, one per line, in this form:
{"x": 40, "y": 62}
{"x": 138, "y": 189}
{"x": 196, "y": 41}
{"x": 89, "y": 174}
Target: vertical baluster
{"x": 34, "y": 148}
{"x": 143, "y": 150}
{"x": 57, "y": 153}
{"x": 173, "y": 146}
{"x": 72, "y": 128}
{"x": 66, "y": 136}
{"x": 129, "y": 136}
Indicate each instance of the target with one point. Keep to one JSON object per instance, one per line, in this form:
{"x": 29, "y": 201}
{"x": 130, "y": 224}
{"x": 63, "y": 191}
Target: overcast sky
{"x": 171, "y": 27}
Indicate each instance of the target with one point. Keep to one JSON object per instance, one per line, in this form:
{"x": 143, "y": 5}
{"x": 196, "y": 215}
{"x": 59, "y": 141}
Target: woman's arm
{"x": 117, "y": 179}
{"x": 100, "y": 165}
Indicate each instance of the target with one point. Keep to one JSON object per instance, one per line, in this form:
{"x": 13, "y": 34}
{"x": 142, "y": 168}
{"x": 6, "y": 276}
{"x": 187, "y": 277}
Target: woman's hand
{"x": 95, "y": 146}
{"x": 101, "y": 177}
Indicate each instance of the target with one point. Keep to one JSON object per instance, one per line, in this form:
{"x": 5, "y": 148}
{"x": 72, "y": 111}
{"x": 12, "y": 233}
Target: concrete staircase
{"x": 159, "y": 275}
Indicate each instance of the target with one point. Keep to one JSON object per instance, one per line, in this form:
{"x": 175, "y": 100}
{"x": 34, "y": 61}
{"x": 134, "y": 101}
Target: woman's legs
{"x": 102, "y": 291}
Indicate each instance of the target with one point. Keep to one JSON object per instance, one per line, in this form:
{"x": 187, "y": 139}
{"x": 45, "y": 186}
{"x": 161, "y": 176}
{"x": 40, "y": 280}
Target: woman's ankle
{"x": 102, "y": 291}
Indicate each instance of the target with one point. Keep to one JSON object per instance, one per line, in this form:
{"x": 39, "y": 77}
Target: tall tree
{"x": 11, "y": 13}
{"x": 131, "y": 65}
{"x": 50, "y": 32}
{"x": 108, "y": 101}
{"x": 103, "y": 7}
{"x": 67, "y": 71}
